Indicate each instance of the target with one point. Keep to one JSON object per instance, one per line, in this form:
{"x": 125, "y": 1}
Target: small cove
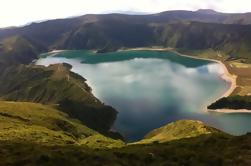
{"x": 152, "y": 88}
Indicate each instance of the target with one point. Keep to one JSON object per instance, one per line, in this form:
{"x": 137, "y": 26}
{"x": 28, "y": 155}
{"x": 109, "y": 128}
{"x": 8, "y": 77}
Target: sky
{"x": 21, "y": 12}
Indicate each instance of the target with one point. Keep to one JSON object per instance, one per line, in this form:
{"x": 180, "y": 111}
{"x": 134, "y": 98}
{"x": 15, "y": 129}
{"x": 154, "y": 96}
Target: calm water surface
{"x": 150, "y": 88}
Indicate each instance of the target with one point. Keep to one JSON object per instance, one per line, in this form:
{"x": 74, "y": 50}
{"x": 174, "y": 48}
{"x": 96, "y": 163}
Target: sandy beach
{"x": 230, "y": 111}
{"x": 146, "y": 49}
{"x": 56, "y": 51}
{"x": 227, "y": 76}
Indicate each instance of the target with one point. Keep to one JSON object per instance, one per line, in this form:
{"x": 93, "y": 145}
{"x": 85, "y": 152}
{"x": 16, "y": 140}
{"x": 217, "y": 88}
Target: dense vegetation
{"x": 232, "y": 102}
{"x": 23, "y": 122}
{"x": 178, "y": 130}
{"x": 204, "y": 150}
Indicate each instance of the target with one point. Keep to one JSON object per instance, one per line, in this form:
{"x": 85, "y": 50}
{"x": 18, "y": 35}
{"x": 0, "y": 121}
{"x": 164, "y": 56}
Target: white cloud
{"x": 18, "y": 12}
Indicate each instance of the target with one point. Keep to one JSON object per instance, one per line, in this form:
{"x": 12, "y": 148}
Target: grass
{"x": 40, "y": 124}
{"x": 36, "y": 134}
{"x": 177, "y": 130}
{"x": 54, "y": 85}
{"x": 205, "y": 150}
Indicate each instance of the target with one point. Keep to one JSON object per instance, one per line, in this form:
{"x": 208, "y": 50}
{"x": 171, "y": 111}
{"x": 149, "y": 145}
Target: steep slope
{"x": 44, "y": 33}
{"x": 109, "y": 33}
{"x": 56, "y": 85}
{"x": 23, "y": 122}
{"x": 234, "y": 40}
{"x": 178, "y": 130}
{"x": 17, "y": 49}
{"x": 30, "y": 77}
{"x": 53, "y": 85}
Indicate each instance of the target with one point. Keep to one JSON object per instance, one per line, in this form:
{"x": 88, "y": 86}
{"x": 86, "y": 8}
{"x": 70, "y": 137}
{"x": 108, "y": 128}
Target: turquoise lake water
{"x": 151, "y": 88}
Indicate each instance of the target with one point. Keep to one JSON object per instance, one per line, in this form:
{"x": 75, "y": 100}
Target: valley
{"x": 117, "y": 92}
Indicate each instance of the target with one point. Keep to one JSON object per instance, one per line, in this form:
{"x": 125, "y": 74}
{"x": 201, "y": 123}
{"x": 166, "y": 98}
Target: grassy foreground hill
{"x": 178, "y": 130}
{"x": 24, "y": 122}
{"x": 52, "y": 138}
{"x": 206, "y": 150}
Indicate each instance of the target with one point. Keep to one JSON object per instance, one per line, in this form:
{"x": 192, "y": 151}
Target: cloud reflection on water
{"x": 148, "y": 92}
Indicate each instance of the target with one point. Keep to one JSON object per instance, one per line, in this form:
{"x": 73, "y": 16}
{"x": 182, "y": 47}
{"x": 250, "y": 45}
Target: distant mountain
{"x": 207, "y": 11}
{"x": 200, "y": 29}
{"x": 129, "y": 12}
{"x": 206, "y": 16}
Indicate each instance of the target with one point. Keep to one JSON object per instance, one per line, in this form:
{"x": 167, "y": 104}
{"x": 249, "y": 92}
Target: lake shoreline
{"x": 230, "y": 111}
{"x": 56, "y": 51}
{"x": 227, "y": 76}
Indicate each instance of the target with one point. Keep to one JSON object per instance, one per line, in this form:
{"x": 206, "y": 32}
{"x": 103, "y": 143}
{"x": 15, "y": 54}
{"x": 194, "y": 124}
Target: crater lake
{"x": 152, "y": 88}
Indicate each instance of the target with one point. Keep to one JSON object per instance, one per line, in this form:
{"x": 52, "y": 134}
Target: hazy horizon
{"x": 18, "y": 13}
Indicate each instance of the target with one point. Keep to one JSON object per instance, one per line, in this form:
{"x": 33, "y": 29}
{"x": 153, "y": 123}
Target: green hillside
{"x": 178, "y": 130}
{"x": 23, "y": 122}
{"x": 234, "y": 40}
{"x": 17, "y": 49}
{"x": 56, "y": 85}
{"x": 36, "y": 134}
{"x": 215, "y": 148}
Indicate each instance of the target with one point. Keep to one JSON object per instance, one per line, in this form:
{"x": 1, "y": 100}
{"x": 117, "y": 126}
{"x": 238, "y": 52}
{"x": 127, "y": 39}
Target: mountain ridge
{"x": 202, "y": 11}
{"x": 109, "y": 32}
